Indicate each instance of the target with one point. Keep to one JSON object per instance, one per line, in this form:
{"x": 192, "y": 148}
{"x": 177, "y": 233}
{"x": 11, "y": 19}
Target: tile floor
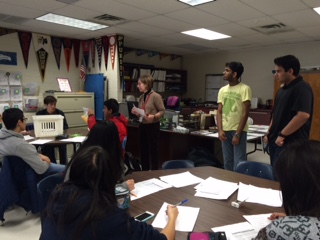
{"x": 19, "y": 226}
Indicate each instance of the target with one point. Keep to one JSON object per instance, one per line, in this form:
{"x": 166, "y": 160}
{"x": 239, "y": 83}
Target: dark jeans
{"x": 274, "y": 150}
{"x": 49, "y": 152}
{"x": 149, "y": 149}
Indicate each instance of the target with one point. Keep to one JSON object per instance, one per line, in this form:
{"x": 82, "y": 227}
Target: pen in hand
{"x": 179, "y": 203}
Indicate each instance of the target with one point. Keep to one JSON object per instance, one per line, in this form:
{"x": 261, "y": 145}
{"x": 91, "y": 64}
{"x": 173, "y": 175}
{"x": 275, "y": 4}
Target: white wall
{"x": 258, "y": 64}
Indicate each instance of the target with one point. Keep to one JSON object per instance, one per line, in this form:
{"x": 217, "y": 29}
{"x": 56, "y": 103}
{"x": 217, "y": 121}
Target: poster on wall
{"x": 8, "y": 58}
{"x": 64, "y": 84}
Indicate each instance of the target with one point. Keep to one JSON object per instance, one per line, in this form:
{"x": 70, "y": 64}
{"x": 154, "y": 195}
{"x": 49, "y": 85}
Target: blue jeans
{"x": 53, "y": 168}
{"x": 233, "y": 154}
{"x": 274, "y": 150}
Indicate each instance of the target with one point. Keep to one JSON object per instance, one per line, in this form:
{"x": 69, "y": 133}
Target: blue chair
{"x": 18, "y": 185}
{"x": 45, "y": 188}
{"x": 174, "y": 164}
{"x": 255, "y": 169}
{"x": 124, "y": 143}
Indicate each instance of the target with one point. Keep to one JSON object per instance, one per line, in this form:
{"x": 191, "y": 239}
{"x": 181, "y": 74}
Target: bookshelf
{"x": 166, "y": 81}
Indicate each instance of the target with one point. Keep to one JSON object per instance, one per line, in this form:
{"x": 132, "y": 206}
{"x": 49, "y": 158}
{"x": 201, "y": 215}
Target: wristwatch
{"x": 237, "y": 135}
{"x": 281, "y": 135}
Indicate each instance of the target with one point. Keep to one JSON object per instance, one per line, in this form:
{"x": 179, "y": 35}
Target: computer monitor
{"x": 130, "y": 106}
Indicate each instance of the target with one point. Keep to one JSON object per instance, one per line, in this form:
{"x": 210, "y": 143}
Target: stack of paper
{"x": 186, "y": 219}
{"x": 181, "y": 179}
{"x": 78, "y": 139}
{"x": 215, "y": 189}
{"x": 265, "y": 196}
{"x": 148, "y": 187}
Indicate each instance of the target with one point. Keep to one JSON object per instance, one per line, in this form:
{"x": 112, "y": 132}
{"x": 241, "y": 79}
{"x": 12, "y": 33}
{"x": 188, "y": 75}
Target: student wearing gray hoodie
{"x": 13, "y": 144}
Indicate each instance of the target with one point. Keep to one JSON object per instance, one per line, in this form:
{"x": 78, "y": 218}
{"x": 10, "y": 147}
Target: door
{"x": 95, "y": 83}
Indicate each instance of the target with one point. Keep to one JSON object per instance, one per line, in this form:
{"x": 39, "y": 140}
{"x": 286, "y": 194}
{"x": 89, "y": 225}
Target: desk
{"x": 213, "y": 213}
{"x": 57, "y": 143}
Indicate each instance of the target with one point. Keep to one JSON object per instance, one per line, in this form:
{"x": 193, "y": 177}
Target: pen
{"x": 133, "y": 194}
{"x": 181, "y": 203}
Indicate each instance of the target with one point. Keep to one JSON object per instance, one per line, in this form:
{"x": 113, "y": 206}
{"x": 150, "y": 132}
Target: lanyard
{"x": 145, "y": 103}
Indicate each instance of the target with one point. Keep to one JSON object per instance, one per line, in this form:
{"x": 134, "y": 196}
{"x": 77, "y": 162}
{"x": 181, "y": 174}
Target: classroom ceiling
{"x": 156, "y": 24}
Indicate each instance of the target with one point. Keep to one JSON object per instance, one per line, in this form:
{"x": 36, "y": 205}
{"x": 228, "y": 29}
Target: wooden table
{"x": 213, "y": 213}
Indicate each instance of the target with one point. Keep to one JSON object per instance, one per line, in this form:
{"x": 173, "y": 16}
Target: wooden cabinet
{"x": 313, "y": 78}
{"x": 167, "y": 81}
{"x": 72, "y": 105}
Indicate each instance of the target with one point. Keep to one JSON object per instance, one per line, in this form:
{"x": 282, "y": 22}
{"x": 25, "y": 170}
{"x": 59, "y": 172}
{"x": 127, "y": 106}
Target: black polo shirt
{"x": 294, "y": 97}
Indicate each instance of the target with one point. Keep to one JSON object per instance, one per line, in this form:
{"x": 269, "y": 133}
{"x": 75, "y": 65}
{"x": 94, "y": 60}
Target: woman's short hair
{"x": 297, "y": 169}
{"x": 146, "y": 80}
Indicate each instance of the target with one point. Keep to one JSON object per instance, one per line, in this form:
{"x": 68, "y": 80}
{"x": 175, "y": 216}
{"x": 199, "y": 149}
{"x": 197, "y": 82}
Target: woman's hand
{"x": 276, "y": 215}
{"x": 90, "y": 112}
{"x": 149, "y": 118}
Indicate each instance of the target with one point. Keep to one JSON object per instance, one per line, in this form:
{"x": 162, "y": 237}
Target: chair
{"x": 18, "y": 185}
{"x": 255, "y": 169}
{"x": 124, "y": 143}
{"x": 173, "y": 164}
{"x": 46, "y": 186}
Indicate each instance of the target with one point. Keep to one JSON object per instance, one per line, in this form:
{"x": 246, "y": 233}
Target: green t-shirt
{"x": 231, "y": 98}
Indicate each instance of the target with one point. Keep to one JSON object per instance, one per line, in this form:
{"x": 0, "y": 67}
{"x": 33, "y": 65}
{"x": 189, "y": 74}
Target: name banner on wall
{"x": 93, "y": 52}
{"x": 76, "y": 50}
{"x": 85, "y": 51}
{"x": 113, "y": 47}
{"x": 99, "y": 50}
{"x": 41, "y": 45}
{"x": 25, "y": 41}
{"x": 67, "y": 45}
{"x": 120, "y": 43}
{"x": 56, "y": 46}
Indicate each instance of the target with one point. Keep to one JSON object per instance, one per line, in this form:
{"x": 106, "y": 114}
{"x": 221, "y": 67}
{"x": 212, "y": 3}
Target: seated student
{"x": 105, "y": 135}
{"x": 50, "y": 103}
{"x": 111, "y": 113}
{"x": 13, "y": 144}
{"x": 297, "y": 169}
{"x": 85, "y": 207}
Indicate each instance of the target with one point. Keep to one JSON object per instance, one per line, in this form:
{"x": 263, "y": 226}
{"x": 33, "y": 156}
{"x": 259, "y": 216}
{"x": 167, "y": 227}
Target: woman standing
{"x": 149, "y": 128}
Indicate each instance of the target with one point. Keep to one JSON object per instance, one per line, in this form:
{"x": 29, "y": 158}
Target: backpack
{"x": 201, "y": 156}
{"x": 131, "y": 163}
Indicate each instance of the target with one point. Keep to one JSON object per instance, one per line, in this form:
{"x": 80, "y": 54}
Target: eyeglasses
{"x": 24, "y": 119}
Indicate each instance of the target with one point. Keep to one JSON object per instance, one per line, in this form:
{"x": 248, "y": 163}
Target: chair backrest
{"x": 173, "y": 164}
{"x": 46, "y": 186}
{"x": 124, "y": 143}
{"x": 256, "y": 169}
{"x": 18, "y": 185}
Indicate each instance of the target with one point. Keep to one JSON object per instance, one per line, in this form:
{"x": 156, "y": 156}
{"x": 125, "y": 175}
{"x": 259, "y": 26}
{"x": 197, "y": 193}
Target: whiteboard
{"x": 212, "y": 95}
{"x": 214, "y": 81}
{"x": 213, "y": 84}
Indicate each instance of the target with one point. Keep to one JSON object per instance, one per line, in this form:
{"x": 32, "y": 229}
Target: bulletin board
{"x": 213, "y": 84}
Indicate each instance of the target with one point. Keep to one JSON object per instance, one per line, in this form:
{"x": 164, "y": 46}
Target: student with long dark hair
{"x": 297, "y": 170}
{"x": 105, "y": 134}
{"x": 85, "y": 206}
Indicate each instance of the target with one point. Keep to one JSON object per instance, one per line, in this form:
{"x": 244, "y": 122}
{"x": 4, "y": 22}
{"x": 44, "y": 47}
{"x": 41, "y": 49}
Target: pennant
{"x": 56, "y": 46}
{"x": 174, "y": 56}
{"x": 163, "y": 55}
{"x": 105, "y": 44}
{"x": 82, "y": 72}
{"x": 140, "y": 52}
{"x": 67, "y": 45}
{"x": 5, "y": 31}
{"x": 113, "y": 43}
{"x": 99, "y": 50}
{"x": 76, "y": 50}
{"x": 127, "y": 50}
{"x": 85, "y": 51}
{"x": 93, "y": 53}
{"x": 153, "y": 53}
{"x": 120, "y": 43}
{"x": 25, "y": 40}
{"x": 41, "y": 45}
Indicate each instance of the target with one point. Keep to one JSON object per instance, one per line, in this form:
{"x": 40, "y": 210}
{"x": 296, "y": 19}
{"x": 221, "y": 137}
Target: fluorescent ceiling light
{"x": 317, "y": 10}
{"x": 195, "y": 2}
{"x": 71, "y": 22}
{"x": 206, "y": 34}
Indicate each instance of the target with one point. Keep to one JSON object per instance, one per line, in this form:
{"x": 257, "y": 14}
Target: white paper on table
{"x": 41, "y": 141}
{"x": 238, "y": 231}
{"x": 186, "y": 219}
{"x": 148, "y": 187}
{"x": 215, "y": 189}
{"x": 181, "y": 179}
{"x": 78, "y": 139}
{"x": 27, "y": 137}
{"x": 265, "y": 196}
{"x": 255, "y": 134}
{"x": 258, "y": 221}
{"x": 140, "y": 111}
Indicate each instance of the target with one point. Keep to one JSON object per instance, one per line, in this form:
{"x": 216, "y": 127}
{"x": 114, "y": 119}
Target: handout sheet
{"x": 41, "y": 141}
{"x": 186, "y": 219}
{"x": 78, "y": 139}
{"x": 140, "y": 111}
{"x": 215, "y": 189}
{"x": 181, "y": 179}
{"x": 148, "y": 187}
{"x": 255, "y": 194}
{"x": 238, "y": 231}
